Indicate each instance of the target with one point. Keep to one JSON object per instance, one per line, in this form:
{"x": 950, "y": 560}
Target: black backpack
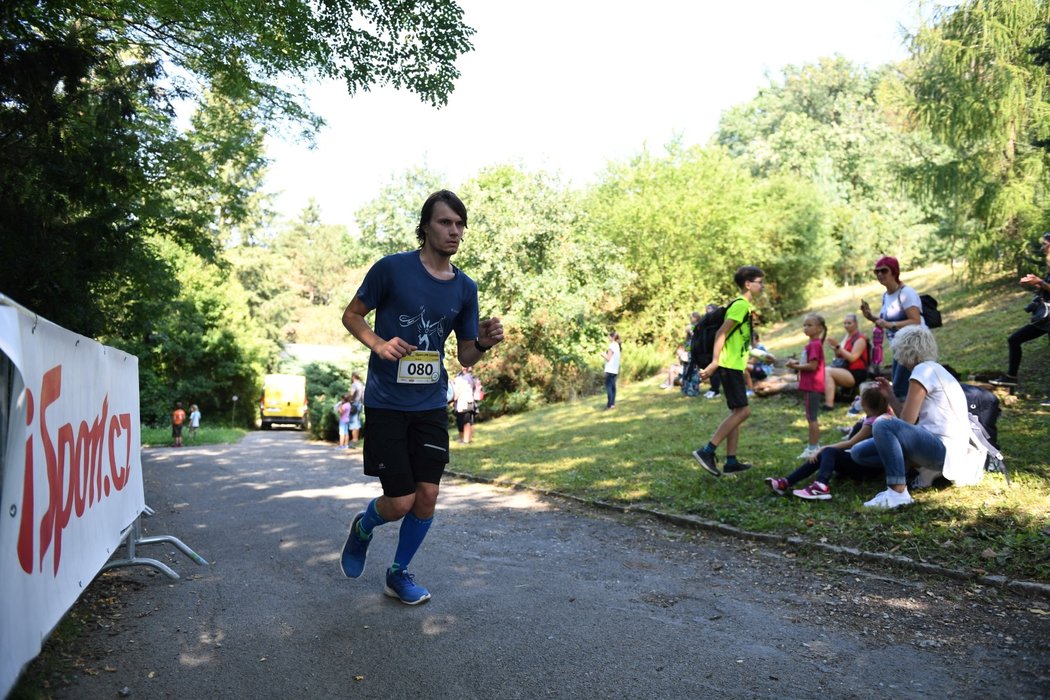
{"x": 930, "y": 314}
{"x": 984, "y": 405}
{"x": 703, "y": 348}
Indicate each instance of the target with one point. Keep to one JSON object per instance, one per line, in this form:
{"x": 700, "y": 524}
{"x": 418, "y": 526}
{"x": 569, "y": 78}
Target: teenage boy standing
{"x": 732, "y": 343}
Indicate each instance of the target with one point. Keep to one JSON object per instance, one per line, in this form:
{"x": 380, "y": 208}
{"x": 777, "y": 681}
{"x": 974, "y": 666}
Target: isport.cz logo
{"x": 82, "y": 468}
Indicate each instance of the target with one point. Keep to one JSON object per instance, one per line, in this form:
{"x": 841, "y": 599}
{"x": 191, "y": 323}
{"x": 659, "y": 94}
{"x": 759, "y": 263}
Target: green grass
{"x": 639, "y": 454}
{"x": 212, "y": 435}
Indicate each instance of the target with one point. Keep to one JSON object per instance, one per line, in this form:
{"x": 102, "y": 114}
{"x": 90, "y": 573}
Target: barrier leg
{"x": 134, "y": 537}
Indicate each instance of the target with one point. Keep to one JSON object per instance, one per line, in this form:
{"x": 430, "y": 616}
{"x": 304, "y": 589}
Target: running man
{"x": 422, "y": 296}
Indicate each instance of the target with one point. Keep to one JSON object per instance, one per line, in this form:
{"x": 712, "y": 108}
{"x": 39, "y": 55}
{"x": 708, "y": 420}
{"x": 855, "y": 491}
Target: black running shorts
{"x": 404, "y": 448}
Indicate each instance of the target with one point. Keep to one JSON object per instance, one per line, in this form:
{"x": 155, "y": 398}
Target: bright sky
{"x": 568, "y": 85}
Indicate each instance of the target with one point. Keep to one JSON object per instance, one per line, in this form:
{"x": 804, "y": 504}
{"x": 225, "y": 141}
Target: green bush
{"x": 643, "y": 361}
{"x": 325, "y": 383}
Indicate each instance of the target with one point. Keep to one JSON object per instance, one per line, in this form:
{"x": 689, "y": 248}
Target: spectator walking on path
{"x": 732, "y": 345}
{"x": 357, "y": 405}
{"x": 342, "y": 412}
{"x": 178, "y": 417}
{"x": 195, "y": 420}
{"x": 419, "y": 298}
{"x": 465, "y": 404}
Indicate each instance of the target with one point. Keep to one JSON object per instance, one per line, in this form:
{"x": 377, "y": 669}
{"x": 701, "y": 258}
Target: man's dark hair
{"x": 747, "y": 273}
{"x": 454, "y": 203}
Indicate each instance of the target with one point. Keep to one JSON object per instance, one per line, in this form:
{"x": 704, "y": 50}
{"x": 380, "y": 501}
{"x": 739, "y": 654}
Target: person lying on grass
{"x": 836, "y": 458}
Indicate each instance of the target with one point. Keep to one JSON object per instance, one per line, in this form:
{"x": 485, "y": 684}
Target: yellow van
{"x": 284, "y": 401}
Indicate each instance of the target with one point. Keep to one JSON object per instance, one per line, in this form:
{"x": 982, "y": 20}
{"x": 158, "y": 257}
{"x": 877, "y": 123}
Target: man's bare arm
{"x": 354, "y": 321}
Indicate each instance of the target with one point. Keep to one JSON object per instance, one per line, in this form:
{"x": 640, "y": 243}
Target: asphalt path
{"x": 532, "y": 598}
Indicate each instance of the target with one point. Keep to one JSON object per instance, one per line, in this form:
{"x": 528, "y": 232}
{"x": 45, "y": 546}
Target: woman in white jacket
{"x": 932, "y": 429}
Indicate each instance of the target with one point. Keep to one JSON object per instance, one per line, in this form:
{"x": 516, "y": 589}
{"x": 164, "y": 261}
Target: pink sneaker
{"x": 814, "y": 492}
{"x": 777, "y": 486}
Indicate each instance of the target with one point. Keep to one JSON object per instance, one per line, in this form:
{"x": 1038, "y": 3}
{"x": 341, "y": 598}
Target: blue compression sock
{"x": 413, "y": 530}
{"x": 371, "y": 520}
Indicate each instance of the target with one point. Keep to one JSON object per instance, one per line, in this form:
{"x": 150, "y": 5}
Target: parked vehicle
{"x": 283, "y": 401}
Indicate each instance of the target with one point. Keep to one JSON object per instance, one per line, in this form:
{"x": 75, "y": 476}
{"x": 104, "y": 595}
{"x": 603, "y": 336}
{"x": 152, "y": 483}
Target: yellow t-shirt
{"x": 738, "y": 341}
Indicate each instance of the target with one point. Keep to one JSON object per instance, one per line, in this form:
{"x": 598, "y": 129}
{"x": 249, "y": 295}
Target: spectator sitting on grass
{"x": 836, "y": 458}
{"x": 676, "y": 370}
{"x": 850, "y": 367}
{"x": 932, "y": 432}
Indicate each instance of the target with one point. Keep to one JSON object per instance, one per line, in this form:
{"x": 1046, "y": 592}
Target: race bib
{"x": 420, "y": 367}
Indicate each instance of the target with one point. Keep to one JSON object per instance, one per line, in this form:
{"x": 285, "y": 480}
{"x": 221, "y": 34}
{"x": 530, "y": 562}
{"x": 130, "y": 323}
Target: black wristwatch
{"x": 480, "y": 347}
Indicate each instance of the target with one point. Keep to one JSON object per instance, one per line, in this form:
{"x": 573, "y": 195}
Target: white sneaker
{"x": 889, "y": 499}
{"x": 710, "y": 394}
{"x": 808, "y": 452}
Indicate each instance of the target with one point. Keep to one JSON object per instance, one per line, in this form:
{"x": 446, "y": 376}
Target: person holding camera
{"x": 1040, "y": 323}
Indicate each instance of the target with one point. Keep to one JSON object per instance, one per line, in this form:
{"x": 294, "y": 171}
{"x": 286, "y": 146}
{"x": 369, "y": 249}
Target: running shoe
{"x": 707, "y": 461}
{"x": 352, "y": 560}
{"x": 779, "y": 486}
{"x": 814, "y": 492}
{"x": 734, "y": 467}
{"x": 808, "y": 452}
{"x": 889, "y": 499}
{"x": 710, "y": 394}
{"x": 401, "y": 585}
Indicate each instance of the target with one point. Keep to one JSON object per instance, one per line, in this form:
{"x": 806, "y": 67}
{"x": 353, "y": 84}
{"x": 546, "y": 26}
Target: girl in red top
{"x": 811, "y": 377}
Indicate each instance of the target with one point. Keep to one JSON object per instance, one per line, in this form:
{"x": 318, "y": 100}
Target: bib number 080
{"x": 419, "y": 368}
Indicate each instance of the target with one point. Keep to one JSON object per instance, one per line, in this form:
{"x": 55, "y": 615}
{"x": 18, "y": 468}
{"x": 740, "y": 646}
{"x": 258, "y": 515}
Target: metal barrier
{"x": 133, "y": 538}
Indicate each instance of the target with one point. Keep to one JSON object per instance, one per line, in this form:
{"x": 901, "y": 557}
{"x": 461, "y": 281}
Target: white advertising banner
{"x": 72, "y": 474}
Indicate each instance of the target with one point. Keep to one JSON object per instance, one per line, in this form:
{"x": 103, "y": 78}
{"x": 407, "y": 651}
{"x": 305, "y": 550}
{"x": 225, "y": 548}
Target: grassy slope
{"x": 639, "y": 453}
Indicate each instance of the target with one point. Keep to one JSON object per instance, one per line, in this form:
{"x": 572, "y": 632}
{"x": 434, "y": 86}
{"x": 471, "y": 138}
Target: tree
{"x": 201, "y": 346}
{"x": 249, "y": 47}
{"x": 74, "y": 121}
{"x": 115, "y": 216}
{"x": 388, "y": 222}
{"x": 838, "y": 127}
{"x": 977, "y": 85}
{"x": 530, "y": 251}
{"x": 319, "y": 255}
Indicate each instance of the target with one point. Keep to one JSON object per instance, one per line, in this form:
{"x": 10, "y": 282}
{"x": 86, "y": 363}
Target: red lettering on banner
{"x": 119, "y": 477}
{"x": 75, "y": 475}
{"x": 25, "y": 525}
{"x": 50, "y": 388}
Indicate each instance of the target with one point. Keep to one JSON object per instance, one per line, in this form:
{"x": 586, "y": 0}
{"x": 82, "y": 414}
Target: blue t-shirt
{"x": 413, "y": 305}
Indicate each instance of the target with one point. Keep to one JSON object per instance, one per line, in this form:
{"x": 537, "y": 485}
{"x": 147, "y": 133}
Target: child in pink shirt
{"x": 811, "y": 377}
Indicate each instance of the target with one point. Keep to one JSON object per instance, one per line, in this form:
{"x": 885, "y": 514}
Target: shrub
{"x": 325, "y": 383}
